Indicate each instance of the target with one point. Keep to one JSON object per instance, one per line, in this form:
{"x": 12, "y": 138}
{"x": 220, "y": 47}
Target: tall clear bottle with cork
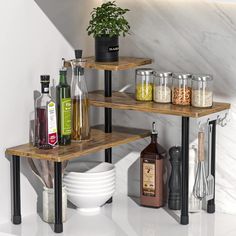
{"x": 80, "y": 101}
{"x": 152, "y": 173}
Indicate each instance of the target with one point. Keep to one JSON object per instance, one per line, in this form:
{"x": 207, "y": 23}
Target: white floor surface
{"x": 125, "y": 217}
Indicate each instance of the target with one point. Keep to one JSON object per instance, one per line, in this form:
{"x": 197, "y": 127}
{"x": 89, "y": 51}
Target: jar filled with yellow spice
{"x": 144, "y": 84}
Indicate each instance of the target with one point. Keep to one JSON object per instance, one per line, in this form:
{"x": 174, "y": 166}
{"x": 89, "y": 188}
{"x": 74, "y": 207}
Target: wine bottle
{"x": 63, "y": 109}
{"x": 46, "y": 136}
{"x": 152, "y": 185}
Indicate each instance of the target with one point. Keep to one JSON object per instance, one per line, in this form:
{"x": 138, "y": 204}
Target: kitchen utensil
{"x": 195, "y": 205}
{"x": 210, "y": 177}
{"x": 44, "y": 170}
{"x": 200, "y": 189}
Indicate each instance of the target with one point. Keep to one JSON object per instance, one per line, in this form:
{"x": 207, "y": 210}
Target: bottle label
{"x": 149, "y": 177}
{"x": 52, "y": 123}
{"x": 66, "y": 116}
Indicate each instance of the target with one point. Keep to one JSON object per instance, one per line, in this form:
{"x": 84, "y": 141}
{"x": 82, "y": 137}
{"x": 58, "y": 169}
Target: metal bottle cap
{"x": 154, "y": 130}
{"x": 45, "y": 78}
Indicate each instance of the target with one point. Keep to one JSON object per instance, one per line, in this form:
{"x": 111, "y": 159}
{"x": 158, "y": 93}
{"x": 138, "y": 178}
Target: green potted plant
{"x": 106, "y": 25}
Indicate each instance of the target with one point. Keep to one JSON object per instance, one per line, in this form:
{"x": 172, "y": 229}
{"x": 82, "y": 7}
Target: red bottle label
{"x": 52, "y": 124}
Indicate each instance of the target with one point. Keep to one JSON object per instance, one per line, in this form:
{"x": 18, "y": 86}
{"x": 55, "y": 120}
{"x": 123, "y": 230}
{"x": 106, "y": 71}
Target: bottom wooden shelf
{"x": 99, "y": 141}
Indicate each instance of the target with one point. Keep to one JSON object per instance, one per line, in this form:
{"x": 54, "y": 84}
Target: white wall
{"x": 196, "y": 36}
{"x": 31, "y": 45}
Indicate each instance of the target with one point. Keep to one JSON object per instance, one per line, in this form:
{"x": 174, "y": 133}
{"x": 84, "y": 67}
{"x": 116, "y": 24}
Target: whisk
{"x": 200, "y": 189}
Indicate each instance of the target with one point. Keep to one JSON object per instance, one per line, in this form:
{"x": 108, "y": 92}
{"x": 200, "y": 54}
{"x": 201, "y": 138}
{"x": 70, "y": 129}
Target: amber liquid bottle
{"x": 152, "y": 173}
{"x": 80, "y": 100}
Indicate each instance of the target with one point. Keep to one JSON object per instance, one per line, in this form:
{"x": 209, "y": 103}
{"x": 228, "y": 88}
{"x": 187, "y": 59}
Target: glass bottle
{"x": 63, "y": 109}
{"x": 45, "y": 117}
{"x": 181, "y": 89}
{"x": 144, "y": 84}
{"x": 202, "y": 95}
{"x": 153, "y": 189}
{"x": 80, "y": 101}
{"x": 162, "y": 87}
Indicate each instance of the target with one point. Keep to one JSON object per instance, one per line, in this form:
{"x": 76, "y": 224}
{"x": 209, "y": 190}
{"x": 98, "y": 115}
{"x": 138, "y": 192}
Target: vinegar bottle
{"x": 152, "y": 173}
{"x": 45, "y": 117}
{"x": 80, "y": 102}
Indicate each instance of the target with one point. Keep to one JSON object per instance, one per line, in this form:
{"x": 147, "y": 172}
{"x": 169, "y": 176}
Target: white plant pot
{"x": 48, "y": 205}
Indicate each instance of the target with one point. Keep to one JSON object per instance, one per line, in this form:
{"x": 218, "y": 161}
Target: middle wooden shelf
{"x": 126, "y": 101}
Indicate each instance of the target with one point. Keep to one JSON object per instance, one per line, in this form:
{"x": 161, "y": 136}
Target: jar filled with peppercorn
{"x": 181, "y": 89}
{"x": 144, "y": 84}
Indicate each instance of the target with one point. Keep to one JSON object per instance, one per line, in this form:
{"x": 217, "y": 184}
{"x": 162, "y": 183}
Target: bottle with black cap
{"x": 80, "y": 102}
{"x": 63, "y": 108}
{"x": 153, "y": 189}
{"x": 46, "y": 136}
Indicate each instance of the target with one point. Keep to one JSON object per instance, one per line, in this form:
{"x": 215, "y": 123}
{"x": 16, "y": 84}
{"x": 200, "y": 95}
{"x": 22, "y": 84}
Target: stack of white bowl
{"x": 89, "y": 184}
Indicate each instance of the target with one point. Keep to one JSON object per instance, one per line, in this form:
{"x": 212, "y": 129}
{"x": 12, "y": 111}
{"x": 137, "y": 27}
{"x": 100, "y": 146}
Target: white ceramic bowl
{"x": 89, "y": 170}
{"x": 90, "y": 182}
{"x": 91, "y": 191}
{"x": 89, "y": 178}
{"x": 89, "y": 187}
{"x": 89, "y": 202}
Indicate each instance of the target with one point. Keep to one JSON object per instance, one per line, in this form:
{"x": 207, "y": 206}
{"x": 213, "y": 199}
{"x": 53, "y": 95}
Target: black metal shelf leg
{"x": 58, "y": 226}
{"x": 211, "y": 203}
{"x": 184, "y": 218}
{"x": 108, "y": 115}
{"x": 16, "y": 202}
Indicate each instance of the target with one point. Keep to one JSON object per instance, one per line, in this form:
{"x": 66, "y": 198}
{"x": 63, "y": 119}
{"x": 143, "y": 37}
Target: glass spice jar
{"x": 181, "y": 89}
{"x": 202, "y": 95}
{"x": 144, "y": 84}
{"x": 162, "y": 87}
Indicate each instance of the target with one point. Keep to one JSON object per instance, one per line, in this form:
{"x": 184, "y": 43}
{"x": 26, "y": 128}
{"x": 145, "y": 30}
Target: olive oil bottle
{"x": 63, "y": 109}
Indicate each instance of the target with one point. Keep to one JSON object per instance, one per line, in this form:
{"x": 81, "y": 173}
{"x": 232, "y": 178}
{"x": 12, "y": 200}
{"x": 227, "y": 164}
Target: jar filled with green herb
{"x": 144, "y": 84}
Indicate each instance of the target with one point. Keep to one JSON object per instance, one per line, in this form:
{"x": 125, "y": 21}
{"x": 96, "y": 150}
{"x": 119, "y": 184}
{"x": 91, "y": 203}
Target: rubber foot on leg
{"x": 16, "y": 220}
{"x": 210, "y": 209}
{"x": 58, "y": 228}
{"x": 184, "y": 220}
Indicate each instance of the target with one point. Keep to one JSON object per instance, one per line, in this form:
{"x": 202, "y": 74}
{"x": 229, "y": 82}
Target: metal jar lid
{"x": 202, "y": 78}
{"x": 145, "y": 71}
{"x": 165, "y": 74}
{"x": 183, "y": 76}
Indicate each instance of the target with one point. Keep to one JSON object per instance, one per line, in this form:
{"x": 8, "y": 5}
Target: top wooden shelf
{"x": 126, "y": 101}
{"x": 124, "y": 63}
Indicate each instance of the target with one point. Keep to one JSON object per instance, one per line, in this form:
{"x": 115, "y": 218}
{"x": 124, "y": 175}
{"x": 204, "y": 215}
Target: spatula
{"x": 210, "y": 177}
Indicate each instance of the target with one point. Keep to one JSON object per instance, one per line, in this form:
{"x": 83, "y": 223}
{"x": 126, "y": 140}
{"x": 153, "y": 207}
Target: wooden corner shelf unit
{"x": 107, "y": 137}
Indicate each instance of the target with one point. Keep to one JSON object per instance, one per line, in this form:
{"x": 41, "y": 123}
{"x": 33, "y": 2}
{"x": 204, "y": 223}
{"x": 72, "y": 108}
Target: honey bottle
{"x": 152, "y": 170}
